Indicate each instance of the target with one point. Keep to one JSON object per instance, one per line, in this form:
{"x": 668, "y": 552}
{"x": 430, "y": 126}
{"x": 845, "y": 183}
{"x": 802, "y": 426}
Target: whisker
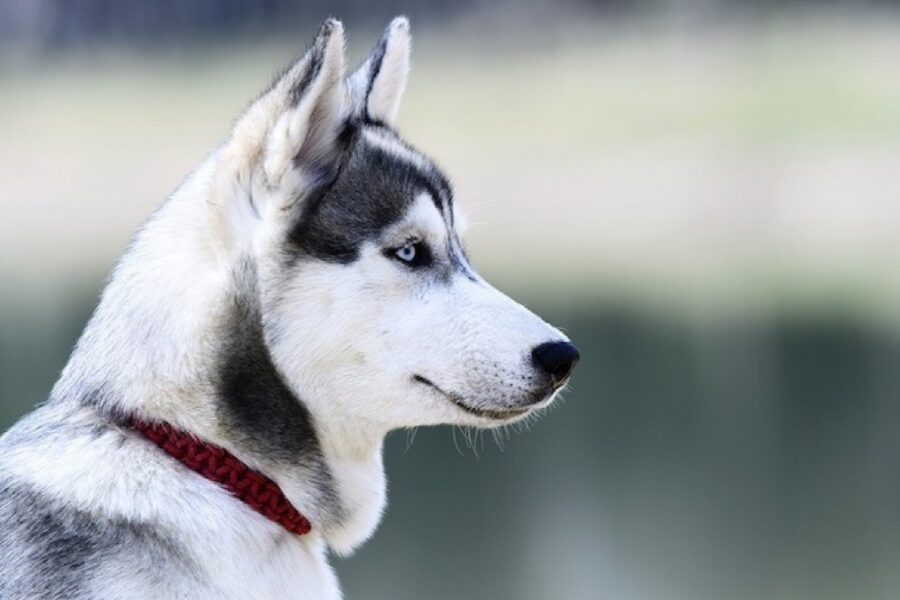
{"x": 455, "y": 443}
{"x": 410, "y": 438}
{"x": 497, "y": 434}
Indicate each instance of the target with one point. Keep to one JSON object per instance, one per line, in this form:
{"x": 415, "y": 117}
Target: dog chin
{"x": 496, "y": 416}
{"x": 487, "y": 415}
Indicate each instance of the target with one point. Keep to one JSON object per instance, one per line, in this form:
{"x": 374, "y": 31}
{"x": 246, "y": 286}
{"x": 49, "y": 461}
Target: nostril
{"x": 556, "y": 358}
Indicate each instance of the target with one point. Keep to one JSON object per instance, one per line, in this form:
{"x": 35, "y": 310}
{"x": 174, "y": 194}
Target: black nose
{"x": 556, "y": 358}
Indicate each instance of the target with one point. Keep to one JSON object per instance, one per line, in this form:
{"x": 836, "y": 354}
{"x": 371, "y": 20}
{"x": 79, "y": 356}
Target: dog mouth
{"x": 460, "y": 402}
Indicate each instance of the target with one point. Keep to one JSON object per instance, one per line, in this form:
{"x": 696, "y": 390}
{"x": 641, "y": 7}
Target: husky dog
{"x": 300, "y": 295}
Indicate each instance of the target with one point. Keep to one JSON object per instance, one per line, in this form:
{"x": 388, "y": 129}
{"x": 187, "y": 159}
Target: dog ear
{"x": 377, "y": 85}
{"x": 292, "y": 130}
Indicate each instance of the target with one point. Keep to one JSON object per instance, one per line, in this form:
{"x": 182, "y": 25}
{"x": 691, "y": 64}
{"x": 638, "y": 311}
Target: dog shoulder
{"x": 53, "y": 547}
{"x": 51, "y": 550}
{"x": 90, "y": 511}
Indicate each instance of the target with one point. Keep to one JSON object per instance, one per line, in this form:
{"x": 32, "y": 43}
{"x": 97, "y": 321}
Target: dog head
{"x": 370, "y": 309}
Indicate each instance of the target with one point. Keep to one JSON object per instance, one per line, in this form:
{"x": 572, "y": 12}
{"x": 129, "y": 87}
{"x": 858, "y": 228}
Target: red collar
{"x": 217, "y": 464}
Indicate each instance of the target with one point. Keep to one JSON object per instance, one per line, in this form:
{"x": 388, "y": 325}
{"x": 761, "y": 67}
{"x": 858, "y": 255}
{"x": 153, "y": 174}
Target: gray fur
{"x": 49, "y": 550}
{"x": 256, "y": 407}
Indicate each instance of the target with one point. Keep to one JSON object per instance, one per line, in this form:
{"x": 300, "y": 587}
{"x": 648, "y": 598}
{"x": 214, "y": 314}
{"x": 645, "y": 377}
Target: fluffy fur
{"x": 303, "y": 293}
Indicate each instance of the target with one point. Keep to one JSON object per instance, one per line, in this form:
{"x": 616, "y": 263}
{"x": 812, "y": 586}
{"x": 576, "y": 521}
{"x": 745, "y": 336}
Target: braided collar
{"x": 220, "y": 466}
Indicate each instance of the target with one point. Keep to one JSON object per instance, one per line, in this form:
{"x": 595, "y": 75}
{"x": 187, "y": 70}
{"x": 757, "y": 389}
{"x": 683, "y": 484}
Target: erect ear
{"x": 377, "y": 85}
{"x": 291, "y": 131}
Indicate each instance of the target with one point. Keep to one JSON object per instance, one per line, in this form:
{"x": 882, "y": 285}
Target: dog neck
{"x": 178, "y": 338}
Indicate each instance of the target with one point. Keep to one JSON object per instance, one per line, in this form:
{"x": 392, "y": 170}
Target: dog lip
{"x": 461, "y": 403}
{"x": 558, "y": 384}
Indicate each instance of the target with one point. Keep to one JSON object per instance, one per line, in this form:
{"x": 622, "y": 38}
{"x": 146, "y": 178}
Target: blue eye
{"x": 412, "y": 254}
{"x": 406, "y": 253}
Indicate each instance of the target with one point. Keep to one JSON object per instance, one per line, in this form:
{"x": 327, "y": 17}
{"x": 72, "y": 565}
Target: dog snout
{"x": 556, "y": 359}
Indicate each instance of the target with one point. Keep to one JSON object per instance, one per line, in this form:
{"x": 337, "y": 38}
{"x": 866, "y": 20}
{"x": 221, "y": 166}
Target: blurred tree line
{"x": 55, "y": 24}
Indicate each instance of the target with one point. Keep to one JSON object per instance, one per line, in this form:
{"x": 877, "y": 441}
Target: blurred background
{"x": 703, "y": 193}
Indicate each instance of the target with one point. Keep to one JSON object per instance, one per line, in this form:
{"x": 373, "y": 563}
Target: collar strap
{"x": 220, "y": 466}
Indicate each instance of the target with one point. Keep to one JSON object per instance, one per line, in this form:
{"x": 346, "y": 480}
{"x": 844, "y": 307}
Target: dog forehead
{"x": 422, "y": 216}
{"x": 381, "y": 184}
{"x": 423, "y": 211}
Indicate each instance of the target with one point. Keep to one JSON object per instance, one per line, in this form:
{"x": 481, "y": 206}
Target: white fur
{"x": 300, "y": 129}
{"x": 389, "y": 144}
{"x": 383, "y": 103}
{"x": 238, "y": 553}
{"x": 388, "y": 87}
{"x": 347, "y": 352}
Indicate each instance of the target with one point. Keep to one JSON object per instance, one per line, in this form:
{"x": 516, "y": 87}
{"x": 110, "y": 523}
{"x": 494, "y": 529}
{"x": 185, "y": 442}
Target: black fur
{"x": 255, "y": 405}
{"x": 298, "y": 90}
{"x": 254, "y": 399}
{"x": 316, "y": 54}
{"x": 374, "y": 69}
{"x": 372, "y": 190}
